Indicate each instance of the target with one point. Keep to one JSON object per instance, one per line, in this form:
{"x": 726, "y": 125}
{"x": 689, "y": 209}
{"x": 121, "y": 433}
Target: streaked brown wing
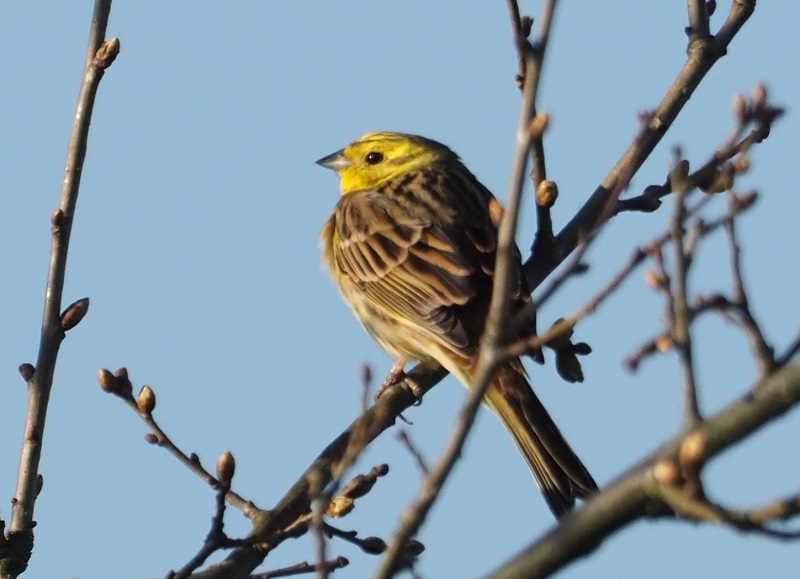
{"x": 415, "y": 266}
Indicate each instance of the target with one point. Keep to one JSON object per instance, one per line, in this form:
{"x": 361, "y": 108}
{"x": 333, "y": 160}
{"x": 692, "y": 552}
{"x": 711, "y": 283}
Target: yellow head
{"x": 377, "y": 158}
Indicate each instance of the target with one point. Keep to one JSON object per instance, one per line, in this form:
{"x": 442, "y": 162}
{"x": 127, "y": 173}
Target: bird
{"x": 411, "y": 246}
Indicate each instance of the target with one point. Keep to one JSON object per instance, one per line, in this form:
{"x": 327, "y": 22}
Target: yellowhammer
{"x": 411, "y": 246}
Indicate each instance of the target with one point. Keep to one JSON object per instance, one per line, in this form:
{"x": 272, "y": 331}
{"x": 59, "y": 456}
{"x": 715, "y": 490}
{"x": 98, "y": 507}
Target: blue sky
{"x": 196, "y": 238}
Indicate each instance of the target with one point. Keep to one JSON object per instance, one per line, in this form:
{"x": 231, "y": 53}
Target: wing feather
{"x": 410, "y": 267}
{"x": 424, "y": 261}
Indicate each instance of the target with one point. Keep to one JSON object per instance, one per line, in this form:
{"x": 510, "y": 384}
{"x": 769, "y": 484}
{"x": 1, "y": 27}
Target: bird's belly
{"x": 395, "y": 337}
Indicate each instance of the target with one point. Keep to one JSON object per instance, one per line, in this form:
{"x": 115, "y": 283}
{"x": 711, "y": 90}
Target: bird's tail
{"x": 558, "y": 471}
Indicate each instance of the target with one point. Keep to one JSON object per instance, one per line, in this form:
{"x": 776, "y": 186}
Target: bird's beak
{"x": 335, "y": 162}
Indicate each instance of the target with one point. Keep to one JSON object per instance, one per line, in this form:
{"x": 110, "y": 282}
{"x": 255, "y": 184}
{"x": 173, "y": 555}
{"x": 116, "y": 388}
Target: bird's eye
{"x": 373, "y": 158}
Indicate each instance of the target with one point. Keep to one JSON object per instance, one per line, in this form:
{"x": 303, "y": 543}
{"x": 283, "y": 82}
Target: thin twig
{"x": 698, "y": 19}
{"x": 370, "y": 545}
{"x": 753, "y": 521}
{"x": 664, "y": 340}
{"x": 494, "y": 334}
{"x": 531, "y": 56}
{"x": 703, "y": 53}
{"x": 318, "y": 529}
{"x": 791, "y": 352}
{"x": 415, "y": 453}
{"x": 520, "y": 347}
{"x": 764, "y": 353}
{"x": 544, "y": 222}
{"x": 366, "y": 386}
{"x": 587, "y": 237}
{"x": 712, "y": 174}
{"x": 303, "y": 568}
{"x": 99, "y": 56}
{"x": 216, "y": 538}
{"x": 119, "y": 385}
{"x": 296, "y": 503}
{"x": 632, "y": 495}
{"x": 679, "y": 321}
{"x": 400, "y": 397}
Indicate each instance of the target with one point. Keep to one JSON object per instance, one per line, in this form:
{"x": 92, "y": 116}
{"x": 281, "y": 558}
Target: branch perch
{"x": 100, "y": 55}
{"x": 635, "y": 493}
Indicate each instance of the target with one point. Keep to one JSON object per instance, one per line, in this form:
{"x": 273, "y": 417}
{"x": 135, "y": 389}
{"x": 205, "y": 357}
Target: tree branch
{"x": 703, "y": 53}
{"x": 296, "y": 502}
{"x": 531, "y": 60}
{"x": 496, "y": 326}
{"x": 635, "y": 494}
{"x": 679, "y": 311}
{"x": 99, "y": 56}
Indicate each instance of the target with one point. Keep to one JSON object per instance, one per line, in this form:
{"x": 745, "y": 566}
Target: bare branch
{"x": 303, "y": 569}
{"x": 698, "y": 19}
{"x": 269, "y": 526}
{"x": 764, "y": 353}
{"x": 400, "y": 397}
{"x": 635, "y": 494}
{"x": 99, "y": 56}
{"x": 531, "y": 60}
{"x": 216, "y": 538}
{"x": 679, "y": 316}
{"x": 790, "y": 352}
{"x": 702, "y": 55}
{"x": 637, "y": 257}
{"x": 664, "y": 341}
{"x": 576, "y": 264}
{"x": 716, "y": 174}
{"x": 120, "y": 385}
{"x": 366, "y": 385}
{"x": 415, "y": 453}
{"x": 495, "y": 330}
{"x": 750, "y": 521}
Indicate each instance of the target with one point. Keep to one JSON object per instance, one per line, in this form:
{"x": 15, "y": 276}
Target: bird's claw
{"x": 396, "y": 374}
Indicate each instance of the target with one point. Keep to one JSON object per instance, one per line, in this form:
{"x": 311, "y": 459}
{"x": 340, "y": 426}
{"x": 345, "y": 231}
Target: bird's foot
{"x": 396, "y": 374}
